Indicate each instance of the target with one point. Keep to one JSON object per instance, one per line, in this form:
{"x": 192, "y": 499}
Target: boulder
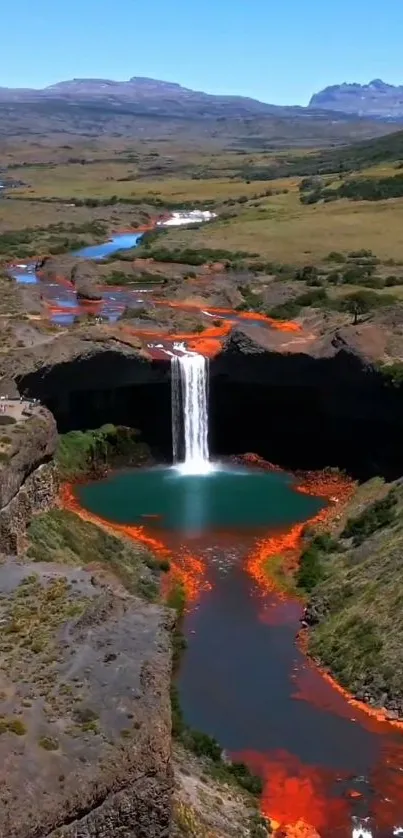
{"x": 84, "y": 276}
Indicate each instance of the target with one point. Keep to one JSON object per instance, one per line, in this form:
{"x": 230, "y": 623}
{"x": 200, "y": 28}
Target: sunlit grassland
{"x": 104, "y": 180}
{"x": 284, "y": 230}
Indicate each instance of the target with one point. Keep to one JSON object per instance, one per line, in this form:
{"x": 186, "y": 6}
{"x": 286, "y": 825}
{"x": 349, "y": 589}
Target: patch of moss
{"x": 85, "y": 715}
{"x": 48, "y": 743}
{"x": 16, "y": 726}
{"x": 90, "y": 727}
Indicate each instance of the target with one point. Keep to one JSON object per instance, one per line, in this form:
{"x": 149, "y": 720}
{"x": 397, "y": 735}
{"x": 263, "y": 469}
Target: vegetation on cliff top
{"x": 356, "y": 604}
{"x": 81, "y": 452}
{"x": 63, "y": 537}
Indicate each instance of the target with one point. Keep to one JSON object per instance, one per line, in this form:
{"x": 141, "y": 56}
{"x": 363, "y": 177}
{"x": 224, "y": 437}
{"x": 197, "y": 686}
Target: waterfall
{"x": 189, "y": 375}
{"x": 176, "y": 407}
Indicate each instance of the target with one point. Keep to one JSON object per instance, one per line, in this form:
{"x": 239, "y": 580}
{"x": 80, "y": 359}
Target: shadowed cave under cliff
{"x": 297, "y": 411}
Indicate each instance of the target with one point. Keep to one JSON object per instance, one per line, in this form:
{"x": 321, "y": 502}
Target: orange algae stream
{"x": 313, "y": 741}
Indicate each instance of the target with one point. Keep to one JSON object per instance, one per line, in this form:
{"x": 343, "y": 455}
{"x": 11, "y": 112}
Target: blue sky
{"x": 275, "y": 50}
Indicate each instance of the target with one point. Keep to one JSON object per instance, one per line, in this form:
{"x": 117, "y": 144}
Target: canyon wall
{"x": 28, "y": 480}
{"x": 324, "y": 406}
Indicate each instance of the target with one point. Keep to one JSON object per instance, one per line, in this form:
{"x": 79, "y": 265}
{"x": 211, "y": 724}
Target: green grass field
{"x": 278, "y": 226}
{"x": 282, "y": 229}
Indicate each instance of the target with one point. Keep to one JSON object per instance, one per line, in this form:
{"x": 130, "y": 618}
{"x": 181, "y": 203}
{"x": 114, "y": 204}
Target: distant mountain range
{"x": 376, "y": 99}
{"x": 143, "y": 107}
{"x": 154, "y": 95}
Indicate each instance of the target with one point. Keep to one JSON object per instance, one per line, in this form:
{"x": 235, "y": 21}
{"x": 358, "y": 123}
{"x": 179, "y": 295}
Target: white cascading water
{"x": 189, "y": 375}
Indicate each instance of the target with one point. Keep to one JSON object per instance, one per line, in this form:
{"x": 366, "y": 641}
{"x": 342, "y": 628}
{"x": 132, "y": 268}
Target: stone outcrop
{"x": 28, "y": 480}
{"x": 301, "y": 399}
{"x": 33, "y": 442}
{"x": 91, "y": 753}
{"x": 36, "y": 494}
{"x": 82, "y": 274}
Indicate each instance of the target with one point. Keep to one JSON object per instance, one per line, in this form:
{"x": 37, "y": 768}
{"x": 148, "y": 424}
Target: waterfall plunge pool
{"x": 242, "y": 679}
{"x": 194, "y": 505}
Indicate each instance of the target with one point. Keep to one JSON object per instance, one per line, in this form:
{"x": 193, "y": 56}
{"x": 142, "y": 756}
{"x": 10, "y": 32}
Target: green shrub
{"x": 334, "y": 278}
{"x": 310, "y": 570}
{"x": 378, "y": 515}
{"x": 325, "y": 542}
{"x": 7, "y": 420}
{"x": 392, "y": 280}
{"x": 16, "y": 726}
{"x": 284, "y": 311}
{"x": 335, "y": 256}
{"x": 202, "y": 745}
{"x": 193, "y": 256}
{"x": 312, "y": 298}
{"x": 48, "y": 743}
{"x": 250, "y": 782}
{"x": 79, "y": 452}
{"x": 306, "y": 273}
{"x": 393, "y": 373}
{"x": 363, "y": 301}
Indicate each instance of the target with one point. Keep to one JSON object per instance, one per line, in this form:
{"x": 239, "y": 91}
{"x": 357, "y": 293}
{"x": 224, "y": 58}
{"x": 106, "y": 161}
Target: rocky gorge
{"x": 87, "y": 649}
{"x": 86, "y": 655}
{"x": 302, "y": 402}
{"x": 85, "y": 731}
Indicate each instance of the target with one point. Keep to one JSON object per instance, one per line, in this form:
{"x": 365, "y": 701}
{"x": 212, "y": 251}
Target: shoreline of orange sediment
{"x": 208, "y": 343}
{"x": 296, "y": 797}
{"x": 378, "y": 715}
{"x": 185, "y": 568}
{"x": 280, "y": 325}
{"x": 336, "y": 488}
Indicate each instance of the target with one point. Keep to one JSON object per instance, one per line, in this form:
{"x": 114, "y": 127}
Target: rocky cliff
{"x": 28, "y": 482}
{"x": 304, "y": 402}
{"x": 86, "y": 738}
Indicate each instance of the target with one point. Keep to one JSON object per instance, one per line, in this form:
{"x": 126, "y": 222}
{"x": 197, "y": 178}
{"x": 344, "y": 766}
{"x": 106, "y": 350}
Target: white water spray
{"x": 361, "y": 831}
{"x": 189, "y": 375}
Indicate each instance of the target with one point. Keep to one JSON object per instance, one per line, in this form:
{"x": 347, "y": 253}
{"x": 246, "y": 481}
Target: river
{"x": 328, "y": 768}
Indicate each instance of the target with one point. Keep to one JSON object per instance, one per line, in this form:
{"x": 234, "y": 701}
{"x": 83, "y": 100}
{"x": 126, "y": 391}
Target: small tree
{"x": 360, "y": 303}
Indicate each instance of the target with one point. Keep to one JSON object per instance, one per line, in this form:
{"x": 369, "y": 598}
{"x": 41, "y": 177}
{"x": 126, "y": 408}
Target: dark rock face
{"x": 143, "y": 810}
{"x": 91, "y": 384}
{"x": 36, "y": 445}
{"x": 28, "y": 481}
{"x": 36, "y": 494}
{"x": 374, "y": 99}
{"x": 326, "y": 407}
{"x": 305, "y": 410}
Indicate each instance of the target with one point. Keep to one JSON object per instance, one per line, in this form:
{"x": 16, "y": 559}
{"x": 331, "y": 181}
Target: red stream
{"x": 208, "y": 343}
{"x": 298, "y": 798}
